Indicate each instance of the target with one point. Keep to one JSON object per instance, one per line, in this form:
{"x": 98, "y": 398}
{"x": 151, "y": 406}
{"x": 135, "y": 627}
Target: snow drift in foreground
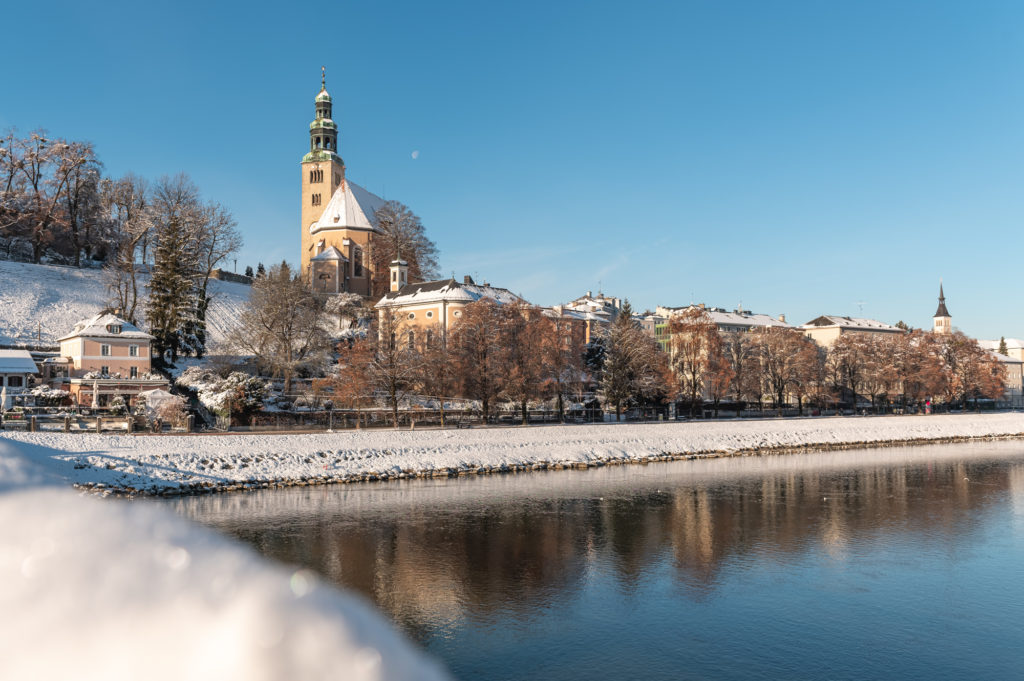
{"x": 104, "y": 589}
{"x": 155, "y": 463}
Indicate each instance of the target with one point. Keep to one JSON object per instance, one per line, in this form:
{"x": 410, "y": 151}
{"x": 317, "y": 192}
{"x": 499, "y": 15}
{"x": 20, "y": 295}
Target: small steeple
{"x": 942, "y": 311}
{"x": 323, "y": 79}
{"x": 941, "y": 319}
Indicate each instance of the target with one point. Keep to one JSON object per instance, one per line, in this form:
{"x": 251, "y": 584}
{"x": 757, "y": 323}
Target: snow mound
{"x": 103, "y": 589}
{"x": 45, "y": 301}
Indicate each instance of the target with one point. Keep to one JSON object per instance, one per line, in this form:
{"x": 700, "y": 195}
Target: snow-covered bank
{"x": 96, "y": 589}
{"x": 168, "y": 464}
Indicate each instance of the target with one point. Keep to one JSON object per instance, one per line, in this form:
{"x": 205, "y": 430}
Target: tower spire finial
{"x": 323, "y": 78}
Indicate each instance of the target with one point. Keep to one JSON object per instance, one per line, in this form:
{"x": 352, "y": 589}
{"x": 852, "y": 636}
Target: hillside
{"x": 45, "y": 301}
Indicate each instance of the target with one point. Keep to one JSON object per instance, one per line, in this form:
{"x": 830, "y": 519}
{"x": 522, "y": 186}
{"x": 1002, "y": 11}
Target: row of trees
{"x": 788, "y": 367}
{"x": 158, "y": 242}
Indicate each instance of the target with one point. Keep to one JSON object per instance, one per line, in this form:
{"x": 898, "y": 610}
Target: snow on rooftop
{"x": 1011, "y": 344}
{"x": 350, "y": 207}
{"x": 849, "y": 323}
{"x": 17, "y": 362}
{"x": 447, "y": 290}
{"x": 104, "y": 326}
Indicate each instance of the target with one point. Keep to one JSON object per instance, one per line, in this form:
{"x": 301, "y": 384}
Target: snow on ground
{"x": 108, "y": 589}
{"x": 153, "y": 463}
{"x": 48, "y": 299}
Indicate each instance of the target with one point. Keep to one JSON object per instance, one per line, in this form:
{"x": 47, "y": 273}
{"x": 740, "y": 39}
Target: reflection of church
{"x": 338, "y": 224}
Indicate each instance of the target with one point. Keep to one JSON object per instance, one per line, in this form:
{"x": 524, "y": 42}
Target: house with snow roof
{"x": 435, "y": 306}
{"x": 103, "y": 357}
{"x": 824, "y": 330}
{"x": 16, "y": 370}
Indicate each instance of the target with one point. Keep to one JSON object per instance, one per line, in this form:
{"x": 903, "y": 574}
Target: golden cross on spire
{"x": 323, "y": 78}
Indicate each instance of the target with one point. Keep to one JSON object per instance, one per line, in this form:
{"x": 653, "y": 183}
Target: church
{"x": 338, "y": 223}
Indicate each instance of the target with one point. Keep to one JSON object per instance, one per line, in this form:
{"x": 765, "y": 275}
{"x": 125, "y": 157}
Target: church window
{"x": 357, "y": 262}
{"x": 337, "y": 178}
{"x": 412, "y": 340}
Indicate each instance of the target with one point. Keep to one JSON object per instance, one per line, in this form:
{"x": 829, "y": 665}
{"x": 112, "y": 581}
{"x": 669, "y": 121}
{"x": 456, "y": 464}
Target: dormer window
{"x": 113, "y": 328}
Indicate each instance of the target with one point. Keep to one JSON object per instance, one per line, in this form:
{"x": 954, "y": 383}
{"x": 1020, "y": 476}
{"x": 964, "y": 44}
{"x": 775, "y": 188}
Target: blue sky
{"x": 798, "y": 157}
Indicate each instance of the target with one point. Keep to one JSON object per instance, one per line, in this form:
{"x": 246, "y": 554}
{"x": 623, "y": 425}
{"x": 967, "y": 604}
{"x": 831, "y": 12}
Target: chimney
{"x": 399, "y": 274}
{"x": 467, "y": 280}
{"x": 782, "y": 318}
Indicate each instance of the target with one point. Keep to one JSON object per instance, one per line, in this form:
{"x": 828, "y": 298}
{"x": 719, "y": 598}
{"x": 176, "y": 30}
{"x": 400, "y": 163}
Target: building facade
{"x": 824, "y": 330}
{"x": 16, "y": 371}
{"x": 105, "y": 356}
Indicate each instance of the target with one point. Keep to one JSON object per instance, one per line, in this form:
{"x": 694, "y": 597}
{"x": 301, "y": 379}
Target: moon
{"x": 416, "y": 154}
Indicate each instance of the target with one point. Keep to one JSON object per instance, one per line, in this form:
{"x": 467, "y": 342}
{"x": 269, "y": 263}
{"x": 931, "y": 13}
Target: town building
{"x": 424, "y": 306}
{"x": 103, "y": 357}
{"x": 824, "y": 330}
{"x": 596, "y": 312}
{"x": 1013, "y": 395}
{"x": 737, "y": 320}
{"x": 16, "y": 371}
{"x": 338, "y": 216}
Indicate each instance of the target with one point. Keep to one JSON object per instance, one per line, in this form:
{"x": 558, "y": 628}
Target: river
{"x": 889, "y": 563}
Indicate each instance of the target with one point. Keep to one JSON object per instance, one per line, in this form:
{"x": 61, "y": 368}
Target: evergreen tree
{"x": 1002, "y": 345}
{"x": 171, "y": 306}
{"x": 261, "y": 271}
{"x": 248, "y": 271}
{"x": 173, "y": 287}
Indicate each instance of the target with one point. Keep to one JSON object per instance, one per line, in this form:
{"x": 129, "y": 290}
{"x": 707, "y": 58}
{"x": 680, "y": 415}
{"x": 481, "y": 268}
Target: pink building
{"x": 106, "y": 355}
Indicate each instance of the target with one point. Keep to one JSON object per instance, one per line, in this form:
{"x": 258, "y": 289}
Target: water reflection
{"x": 432, "y": 553}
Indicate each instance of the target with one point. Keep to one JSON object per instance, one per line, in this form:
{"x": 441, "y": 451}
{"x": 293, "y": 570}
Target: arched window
{"x": 392, "y": 341}
{"x": 412, "y": 340}
{"x": 429, "y": 338}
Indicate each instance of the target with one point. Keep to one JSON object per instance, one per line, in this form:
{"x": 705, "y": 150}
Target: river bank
{"x": 173, "y": 465}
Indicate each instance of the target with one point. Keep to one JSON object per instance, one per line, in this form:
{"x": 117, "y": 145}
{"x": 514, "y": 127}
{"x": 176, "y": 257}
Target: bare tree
{"x": 402, "y": 236}
{"x": 282, "y": 324}
{"x": 395, "y": 370}
{"x": 523, "y": 335}
{"x": 126, "y": 205}
{"x": 476, "y": 344}
{"x": 695, "y": 345}
{"x": 81, "y": 194}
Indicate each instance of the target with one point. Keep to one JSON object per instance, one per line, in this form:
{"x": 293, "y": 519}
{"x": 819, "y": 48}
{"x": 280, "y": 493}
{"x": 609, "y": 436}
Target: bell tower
{"x": 323, "y": 171}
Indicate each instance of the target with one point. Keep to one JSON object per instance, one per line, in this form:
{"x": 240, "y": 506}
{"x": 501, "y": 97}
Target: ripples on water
{"x": 894, "y": 563}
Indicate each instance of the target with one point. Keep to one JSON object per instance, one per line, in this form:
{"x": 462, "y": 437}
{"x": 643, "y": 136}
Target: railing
{"x": 77, "y": 423}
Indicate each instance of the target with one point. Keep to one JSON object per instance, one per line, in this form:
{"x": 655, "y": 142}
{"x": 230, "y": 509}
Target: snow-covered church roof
{"x": 447, "y": 290}
{"x": 106, "y": 326}
{"x": 351, "y": 207}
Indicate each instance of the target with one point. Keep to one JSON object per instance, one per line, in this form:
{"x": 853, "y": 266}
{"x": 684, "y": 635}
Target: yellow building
{"x": 338, "y": 223}
{"x": 826, "y": 329}
{"x": 428, "y": 304}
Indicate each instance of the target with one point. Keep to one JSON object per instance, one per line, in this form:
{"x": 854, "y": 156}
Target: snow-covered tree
{"x": 282, "y": 324}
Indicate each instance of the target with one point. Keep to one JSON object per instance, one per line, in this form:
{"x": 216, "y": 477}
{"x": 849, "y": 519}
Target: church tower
{"x": 323, "y": 171}
{"x": 942, "y": 320}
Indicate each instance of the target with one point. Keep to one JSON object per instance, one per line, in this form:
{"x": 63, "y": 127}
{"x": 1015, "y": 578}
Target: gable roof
{"x": 351, "y": 207}
{"x": 17, "y": 362}
{"x": 329, "y": 253}
{"x": 851, "y": 323}
{"x": 96, "y": 327}
{"x": 446, "y": 290}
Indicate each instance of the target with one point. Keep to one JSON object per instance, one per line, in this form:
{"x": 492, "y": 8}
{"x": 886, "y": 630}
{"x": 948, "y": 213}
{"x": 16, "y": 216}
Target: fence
{"x": 72, "y": 423}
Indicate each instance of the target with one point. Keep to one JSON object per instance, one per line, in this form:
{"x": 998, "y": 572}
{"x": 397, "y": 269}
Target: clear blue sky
{"x": 796, "y": 156}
